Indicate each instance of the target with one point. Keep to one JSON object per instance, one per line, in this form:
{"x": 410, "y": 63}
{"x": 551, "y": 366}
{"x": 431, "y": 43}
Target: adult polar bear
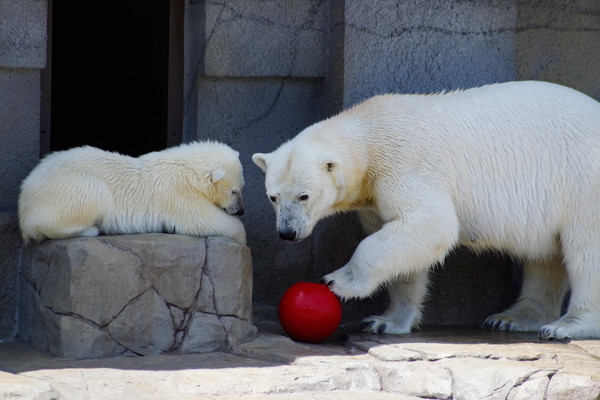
{"x": 190, "y": 189}
{"x": 511, "y": 166}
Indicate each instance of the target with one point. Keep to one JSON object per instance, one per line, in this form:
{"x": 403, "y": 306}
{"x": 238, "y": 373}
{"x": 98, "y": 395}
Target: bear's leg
{"x": 582, "y": 261}
{"x": 542, "y": 293}
{"x": 75, "y": 211}
{"x": 401, "y": 248}
{"x": 370, "y": 221}
{"x": 73, "y": 231}
{"x": 46, "y": 223}
{"x": 406, "y": 297}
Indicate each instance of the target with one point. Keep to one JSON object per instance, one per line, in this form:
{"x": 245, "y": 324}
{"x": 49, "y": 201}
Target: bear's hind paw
{"x": 509, "y": 322}
{"x": 570, "y": 327}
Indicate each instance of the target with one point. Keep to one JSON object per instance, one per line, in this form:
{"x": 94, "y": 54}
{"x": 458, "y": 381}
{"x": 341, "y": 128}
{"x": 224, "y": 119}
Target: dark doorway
{"x": 113, "y": 66}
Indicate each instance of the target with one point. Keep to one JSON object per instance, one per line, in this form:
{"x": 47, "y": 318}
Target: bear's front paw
{"x": 380, "y": 324}
{"x": 346, "y": 285}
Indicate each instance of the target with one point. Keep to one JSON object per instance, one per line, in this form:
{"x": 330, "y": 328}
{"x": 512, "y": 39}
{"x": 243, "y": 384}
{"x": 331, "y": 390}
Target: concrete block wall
{"x": 559, "y": 42}
{"x": 426, "y": 46}
{"x": 22, "y": 55}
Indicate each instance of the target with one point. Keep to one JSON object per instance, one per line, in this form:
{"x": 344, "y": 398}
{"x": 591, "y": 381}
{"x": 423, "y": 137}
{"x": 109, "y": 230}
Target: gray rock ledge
{"x": 92, "y": 297}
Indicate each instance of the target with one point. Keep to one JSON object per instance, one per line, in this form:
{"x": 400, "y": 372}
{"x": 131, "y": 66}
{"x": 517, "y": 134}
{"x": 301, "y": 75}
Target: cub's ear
{"x": 215, "y": 175}
{"x": 334, "y": 167}
{"x": 261, "y": 159}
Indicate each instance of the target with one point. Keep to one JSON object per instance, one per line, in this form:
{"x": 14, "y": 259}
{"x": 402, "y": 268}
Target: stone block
{"x": 558, "y": 42}
{"x": 257, "y": 38}
{"x": 145, "y": 326}
{"x": 23, "y": 33}
{"x": 19, "y": 152}
{"x": 426, "y": 46}
{"x": 142, "y": 294}
{"x": 19, "y": 129}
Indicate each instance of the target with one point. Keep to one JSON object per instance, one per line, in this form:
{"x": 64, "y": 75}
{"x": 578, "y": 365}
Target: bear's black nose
{"x": 240, "y": 212}
{"x": 287, "y": 234}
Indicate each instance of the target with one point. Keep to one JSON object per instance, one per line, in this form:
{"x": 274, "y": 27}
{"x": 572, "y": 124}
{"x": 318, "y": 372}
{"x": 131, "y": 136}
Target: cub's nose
{"x": 287, "y": 234}
{"x": 239, "y": 212}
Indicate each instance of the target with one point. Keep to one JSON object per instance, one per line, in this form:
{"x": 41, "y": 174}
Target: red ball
{"x": 309, "y": 312}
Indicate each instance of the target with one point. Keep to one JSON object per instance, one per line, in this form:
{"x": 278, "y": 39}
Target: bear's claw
{"x": 326, "y": 282}
{"x": 493, "y": 325}
{"x": 365, "y": 326}
{"x": 373, "y": 326}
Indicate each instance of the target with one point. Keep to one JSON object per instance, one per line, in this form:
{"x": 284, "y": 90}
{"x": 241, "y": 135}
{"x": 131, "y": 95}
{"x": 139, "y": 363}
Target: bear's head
{"x": 226, "y": 188}
{"x": 218, "y": 174}
{"x": 303, "y": 184}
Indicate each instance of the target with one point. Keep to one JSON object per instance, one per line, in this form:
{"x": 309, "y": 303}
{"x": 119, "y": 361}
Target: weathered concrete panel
{"x": 19, "y": 130}
{"x": 19, "y": 152}
{"x": 426, "y": 46}
{"x": 23, "y": 33}
{"x": 560, "y": 42}
{"x": 266, "y": 38}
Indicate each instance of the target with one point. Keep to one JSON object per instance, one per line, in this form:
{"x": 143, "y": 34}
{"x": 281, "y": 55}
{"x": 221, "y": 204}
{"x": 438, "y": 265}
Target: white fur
{"x": 513, "y": 167}
{"x": 191, "y": 189}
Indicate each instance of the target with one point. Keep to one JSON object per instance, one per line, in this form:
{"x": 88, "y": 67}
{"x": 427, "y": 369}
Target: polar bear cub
{"x": 193, "y": 189}
{"x": 513, "y": 167}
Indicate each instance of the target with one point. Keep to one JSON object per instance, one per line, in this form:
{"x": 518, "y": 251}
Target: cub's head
{"x": 226, "y": 188}
{"x": 303, "y": 184}
{"x": 218, "y": 174}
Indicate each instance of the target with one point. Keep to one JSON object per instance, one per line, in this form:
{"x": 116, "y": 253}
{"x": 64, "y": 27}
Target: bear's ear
{"x": 261, "y": 159}
{"x": 215, "y": 176}
{"x": 334, "y": 167}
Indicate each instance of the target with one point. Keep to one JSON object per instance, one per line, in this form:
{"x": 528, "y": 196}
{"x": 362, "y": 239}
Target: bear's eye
{"x": 234, "y": 192}
{"x": 303, "y": 197}
{"x": 273, "y": 199}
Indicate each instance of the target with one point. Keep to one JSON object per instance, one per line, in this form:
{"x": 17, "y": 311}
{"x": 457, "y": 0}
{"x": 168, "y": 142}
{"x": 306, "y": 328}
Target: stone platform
{"x": 437, "y": 363}
{"x": 135, "y": 294}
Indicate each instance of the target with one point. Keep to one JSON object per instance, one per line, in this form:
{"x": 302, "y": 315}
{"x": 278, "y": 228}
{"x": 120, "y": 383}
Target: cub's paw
{"x": 380, "y": 324}
{"x": 93, "y": 231}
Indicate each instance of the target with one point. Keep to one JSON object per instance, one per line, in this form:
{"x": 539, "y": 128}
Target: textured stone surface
{"x": 560, "y": 43}
{"x": 19, "y": 150}
{"x": 145, "y": 326}
{"x": 425, "y": 46}
{"x": 257, "y": 38}
{"x": 144, "y": 294}
{"x": 23, "y": 33}
{"x": 472, "y": 365}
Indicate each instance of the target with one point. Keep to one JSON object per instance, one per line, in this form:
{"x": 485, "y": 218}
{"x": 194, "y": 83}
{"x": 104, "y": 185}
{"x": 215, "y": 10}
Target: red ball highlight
{"x": 309, "y": 312}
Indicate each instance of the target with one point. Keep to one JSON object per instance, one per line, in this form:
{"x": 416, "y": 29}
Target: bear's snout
{"x": 236, "y": 208}
{"x": 234, "y": 211}
{"x": 287, "y": 233}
